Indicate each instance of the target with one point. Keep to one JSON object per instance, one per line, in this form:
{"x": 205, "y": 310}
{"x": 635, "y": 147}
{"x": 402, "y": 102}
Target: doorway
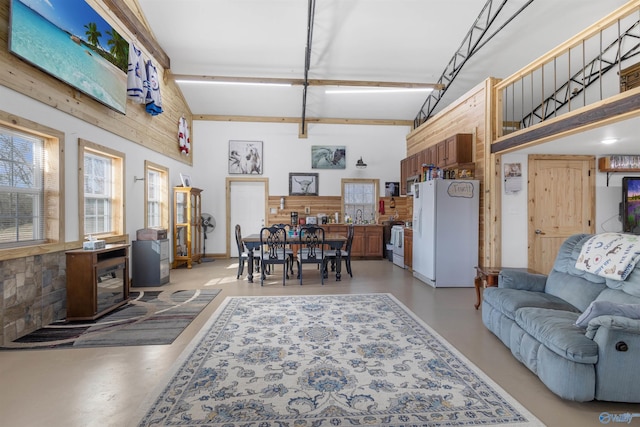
{"x": 561, "y": 203}
{"x": 246, "y": 205}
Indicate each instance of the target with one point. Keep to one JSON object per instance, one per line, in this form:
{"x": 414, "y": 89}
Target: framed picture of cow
{"x": 303, "y": 184}
{"x": 245, "y": 157}
{"x": 328, "y": 157}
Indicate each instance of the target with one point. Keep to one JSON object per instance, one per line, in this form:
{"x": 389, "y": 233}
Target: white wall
{"x": 514, "y": 212}
{"x": 381, "y": 147}
{"x": 135, "y": 155}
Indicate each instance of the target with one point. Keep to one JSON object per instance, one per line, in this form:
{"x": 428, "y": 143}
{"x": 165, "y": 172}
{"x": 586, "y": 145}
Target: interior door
{"x": 561, "y": 203}
{"x": 247, "y": 199}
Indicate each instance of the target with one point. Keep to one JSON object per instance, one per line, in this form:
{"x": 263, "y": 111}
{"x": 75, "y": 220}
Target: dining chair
{"x": 345, "y": 254}
{"x": 288, "y": 250}
{"x": 242, "y": 255}
{"x": 273, "y": 245}
{"x": 311, "y": 249}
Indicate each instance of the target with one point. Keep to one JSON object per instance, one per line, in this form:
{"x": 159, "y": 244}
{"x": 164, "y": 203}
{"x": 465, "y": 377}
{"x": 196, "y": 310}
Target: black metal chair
{"x": 273, "y": 245}
{"x": 311, "y": 249}
{"x": 345, "y": 254}
{"x": 242, "y": 255}
{"x": 289, "y": 251}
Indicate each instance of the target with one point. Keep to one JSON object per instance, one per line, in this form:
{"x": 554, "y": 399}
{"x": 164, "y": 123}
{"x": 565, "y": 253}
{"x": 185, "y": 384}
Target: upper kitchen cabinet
{"x": 454, "y": 150}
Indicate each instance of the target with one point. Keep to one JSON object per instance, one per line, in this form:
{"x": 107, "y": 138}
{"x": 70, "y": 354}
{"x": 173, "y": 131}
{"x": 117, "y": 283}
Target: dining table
{"x": 334, "y": 241}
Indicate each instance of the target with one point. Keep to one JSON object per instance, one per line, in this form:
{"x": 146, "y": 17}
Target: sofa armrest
{"x": 613, "y": 323}
{"x": 517, "y": 279}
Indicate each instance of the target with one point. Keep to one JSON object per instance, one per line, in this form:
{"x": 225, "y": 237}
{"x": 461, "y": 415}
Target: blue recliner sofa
{"x": 577, "y": 330}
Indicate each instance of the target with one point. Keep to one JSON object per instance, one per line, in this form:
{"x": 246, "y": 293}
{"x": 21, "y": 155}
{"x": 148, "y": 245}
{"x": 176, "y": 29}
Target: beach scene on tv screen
{"x": 72, "y": 42}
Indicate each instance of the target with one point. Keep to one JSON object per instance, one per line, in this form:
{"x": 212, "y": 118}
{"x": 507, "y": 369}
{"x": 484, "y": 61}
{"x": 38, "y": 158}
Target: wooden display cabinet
{"x": 97, "y": 281}
{"x": 187, "y": 237}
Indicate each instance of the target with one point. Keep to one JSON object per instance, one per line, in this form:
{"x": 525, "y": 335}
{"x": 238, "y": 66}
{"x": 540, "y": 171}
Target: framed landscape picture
{"x": 303, "y": 184}
{"x": 328, "y": 157}
{"x": 245, "y": 157}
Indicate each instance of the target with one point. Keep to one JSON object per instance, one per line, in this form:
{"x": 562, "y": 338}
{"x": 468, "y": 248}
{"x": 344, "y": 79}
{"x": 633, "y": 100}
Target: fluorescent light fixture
{"x": 379, "y": 90}
{"x": 219, "y": 82}
{"x": 609, "y": 141}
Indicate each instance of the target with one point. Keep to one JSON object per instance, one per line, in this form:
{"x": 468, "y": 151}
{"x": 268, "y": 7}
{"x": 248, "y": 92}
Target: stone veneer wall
{"x": 33, "y": 294}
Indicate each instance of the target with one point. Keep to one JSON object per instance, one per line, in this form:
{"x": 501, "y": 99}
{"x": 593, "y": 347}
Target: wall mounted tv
{"x": 71, "y": 41}
{"x": 631, "y": 204}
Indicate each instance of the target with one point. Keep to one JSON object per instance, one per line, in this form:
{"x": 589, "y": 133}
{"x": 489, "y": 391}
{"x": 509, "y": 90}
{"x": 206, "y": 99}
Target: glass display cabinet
{"x": 187, "y": 239}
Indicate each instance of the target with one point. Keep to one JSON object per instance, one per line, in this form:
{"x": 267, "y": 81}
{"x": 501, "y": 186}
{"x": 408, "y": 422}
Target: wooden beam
{"x": 311, "y": 82}
{"x": 133, "y": 24}
{"x": 618, "y": 108}
{"x": 296, "y": 120}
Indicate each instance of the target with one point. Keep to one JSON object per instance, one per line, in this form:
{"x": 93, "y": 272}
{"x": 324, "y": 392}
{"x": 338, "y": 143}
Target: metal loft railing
{"x": 574, "y": 75}
{"x": 589, "y": 74}
{"x": 470, "y": 45}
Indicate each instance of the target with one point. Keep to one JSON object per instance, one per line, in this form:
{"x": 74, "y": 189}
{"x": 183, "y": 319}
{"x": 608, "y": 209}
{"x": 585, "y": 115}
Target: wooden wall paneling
{"x": 158, "y": 133}
{"x": 467, "y": 115}
{"x": 330, "y": 204}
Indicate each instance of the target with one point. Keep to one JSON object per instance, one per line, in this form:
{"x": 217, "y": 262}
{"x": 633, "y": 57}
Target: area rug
{"x": 337, "y": 360}
{"x": 149, "y": 318}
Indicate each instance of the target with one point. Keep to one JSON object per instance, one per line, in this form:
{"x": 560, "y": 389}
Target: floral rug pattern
{"x": 337, "y": 360}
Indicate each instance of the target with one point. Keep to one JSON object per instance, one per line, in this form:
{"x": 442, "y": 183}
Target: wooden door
{"x": 561, "y": 203}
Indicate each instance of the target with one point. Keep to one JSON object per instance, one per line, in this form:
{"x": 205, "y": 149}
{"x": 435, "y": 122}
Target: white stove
{"x": 397, "y": 240}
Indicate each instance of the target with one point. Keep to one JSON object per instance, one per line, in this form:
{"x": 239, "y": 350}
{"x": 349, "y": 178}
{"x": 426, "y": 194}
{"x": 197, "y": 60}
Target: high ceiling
{"x": 355, "y": 40}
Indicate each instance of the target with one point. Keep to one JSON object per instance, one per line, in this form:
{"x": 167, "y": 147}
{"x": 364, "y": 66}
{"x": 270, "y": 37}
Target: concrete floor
{"x": 104, "y": 386}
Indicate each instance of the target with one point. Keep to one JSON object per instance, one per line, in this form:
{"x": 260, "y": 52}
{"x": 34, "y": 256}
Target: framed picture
{"x": 245, "y": 157}
{"x": 392, "y": 189}
{"x": 328, "y": 157}
{"x": 303, "y": 184}
{"x": 186, "y": 180}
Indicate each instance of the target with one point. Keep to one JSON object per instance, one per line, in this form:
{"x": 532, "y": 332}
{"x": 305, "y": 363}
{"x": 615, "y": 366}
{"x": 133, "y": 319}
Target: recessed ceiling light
{"x": 609, "y": 141}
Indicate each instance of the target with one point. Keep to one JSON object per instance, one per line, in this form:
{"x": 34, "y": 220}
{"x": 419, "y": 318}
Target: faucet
{"x": 359, "y": 221}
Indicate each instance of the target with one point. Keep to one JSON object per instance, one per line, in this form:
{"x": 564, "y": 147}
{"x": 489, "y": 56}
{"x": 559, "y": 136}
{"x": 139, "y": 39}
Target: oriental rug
{"x": 149, "y": 318}
{"x": 336, "y": 360}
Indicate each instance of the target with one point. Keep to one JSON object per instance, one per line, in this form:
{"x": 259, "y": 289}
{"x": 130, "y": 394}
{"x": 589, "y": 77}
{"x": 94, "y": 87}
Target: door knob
{"x": 538, "y": 231}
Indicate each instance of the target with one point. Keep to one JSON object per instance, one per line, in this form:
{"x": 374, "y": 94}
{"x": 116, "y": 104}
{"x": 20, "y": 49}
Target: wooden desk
{"x": 487, "y": 277}
{"x": 333, "y": 240}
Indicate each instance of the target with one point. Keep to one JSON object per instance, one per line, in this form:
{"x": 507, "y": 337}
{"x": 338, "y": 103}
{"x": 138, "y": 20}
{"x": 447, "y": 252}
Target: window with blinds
{"x": 21, "y": 188}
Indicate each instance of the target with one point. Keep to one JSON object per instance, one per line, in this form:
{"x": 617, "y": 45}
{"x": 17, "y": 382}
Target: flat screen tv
{"x": 71, "y": 41}
{"x": 631, "y": 204}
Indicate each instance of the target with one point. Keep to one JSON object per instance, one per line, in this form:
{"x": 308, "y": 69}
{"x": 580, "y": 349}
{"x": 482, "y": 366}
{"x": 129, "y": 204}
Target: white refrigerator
{"x": 445, "y": 232}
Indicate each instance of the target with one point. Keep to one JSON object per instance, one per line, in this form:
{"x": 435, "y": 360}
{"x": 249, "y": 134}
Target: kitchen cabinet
{"x": 187, "y": 239}
{"x": 408, "y": 248}
{"x": 97, "y": 281}
{"x": 454, "y": 150}
{"x": 367, "y": 239}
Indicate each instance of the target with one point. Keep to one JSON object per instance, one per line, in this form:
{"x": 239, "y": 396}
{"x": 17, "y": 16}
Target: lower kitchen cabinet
{"x": 367, "y": 239}
{"x": 408, "y": 248}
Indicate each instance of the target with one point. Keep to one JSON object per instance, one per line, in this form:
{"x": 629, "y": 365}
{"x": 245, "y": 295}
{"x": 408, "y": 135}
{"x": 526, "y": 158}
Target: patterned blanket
{"x": 610, "y": 255}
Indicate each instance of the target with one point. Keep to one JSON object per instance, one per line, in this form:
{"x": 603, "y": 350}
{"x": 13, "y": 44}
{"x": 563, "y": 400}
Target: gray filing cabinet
{"x": 150, "y": 259}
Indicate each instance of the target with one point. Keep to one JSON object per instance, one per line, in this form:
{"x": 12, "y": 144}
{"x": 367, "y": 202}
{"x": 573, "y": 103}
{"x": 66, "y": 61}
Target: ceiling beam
{"x": 310, "y": 82}
{"x": 296, "y": 120}
{"x": 137, "y": 29}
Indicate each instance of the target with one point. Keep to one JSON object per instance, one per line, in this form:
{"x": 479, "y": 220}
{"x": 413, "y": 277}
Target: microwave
{"x": 410, "y": 181}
